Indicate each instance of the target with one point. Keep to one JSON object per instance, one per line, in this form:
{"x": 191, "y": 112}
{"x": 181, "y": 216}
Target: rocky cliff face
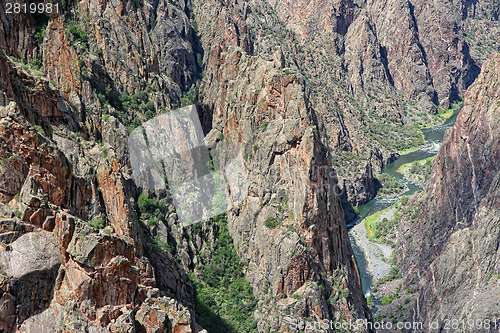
{"x": 449, "y": 247}
{"x": 66, "y": 177}
{"x": 72, "y": 257}
{"x": 395, "y": 60}
{"x": 480, "y": 21}
{"x": 302, "y": 263}
{"x": 291, "y": 184}
{"x": 305, "y": 90}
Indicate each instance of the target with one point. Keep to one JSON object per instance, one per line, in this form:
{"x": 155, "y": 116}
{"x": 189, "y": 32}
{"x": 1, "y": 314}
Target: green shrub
{"x": 394, "y": 274}
{"x": 272, "y": 222}
{"x": 164, "y": 245}
{"x": 36, "y": 63}
{"x": 390, "y": 185}
{"x": 104, "y": 151}
{"x": 39, "y": 129}
{"x": 387, "y": 299}
{"x": 97, "y": 223}
{"x": 189, "y": 97}
{"x": 40, "y": 35}
{"x": 79, "y": 35}
{"x": 224, "y": 300}
{"x": 153, "y": 221}
{"x": 150, "y": 209}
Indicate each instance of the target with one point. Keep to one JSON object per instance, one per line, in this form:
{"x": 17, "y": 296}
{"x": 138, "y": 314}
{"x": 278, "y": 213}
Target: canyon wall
{"x": 448, "y": 245}
{"x": 316, "y": 96}
{"x": 67, "y": 186}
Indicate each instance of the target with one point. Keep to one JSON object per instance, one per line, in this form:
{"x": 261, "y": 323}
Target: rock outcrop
{"x": 316, "y": 96}
{"x": 448, "y": 246}
{"x": 290, "y": 181}
{"x": 479, "y": 23}
{"x": 72, "y": 256}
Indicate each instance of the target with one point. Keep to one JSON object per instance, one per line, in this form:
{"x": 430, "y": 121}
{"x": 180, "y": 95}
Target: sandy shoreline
{"x": 374, "y": 252}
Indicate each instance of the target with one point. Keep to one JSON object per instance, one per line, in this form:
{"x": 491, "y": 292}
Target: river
{"x": 434, "y": 138}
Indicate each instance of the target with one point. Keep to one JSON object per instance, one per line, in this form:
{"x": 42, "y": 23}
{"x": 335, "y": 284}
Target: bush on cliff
{"x": 223, "y": 297}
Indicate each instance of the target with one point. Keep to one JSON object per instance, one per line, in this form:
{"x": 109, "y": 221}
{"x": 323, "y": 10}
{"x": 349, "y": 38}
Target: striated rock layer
{"x": 72, "y": 257}
{"x": 285, "y": 82}
{"x": 290, "y": 181}
{"x": 66, "y": 183}
{"x": 375, "y": 69}
{"x": 302, "y": 265}
{"x": 449, "y": 248}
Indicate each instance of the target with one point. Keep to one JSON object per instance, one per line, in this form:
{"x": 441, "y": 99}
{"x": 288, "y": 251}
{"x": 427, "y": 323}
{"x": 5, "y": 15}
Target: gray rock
{"x": 35, "y": 251}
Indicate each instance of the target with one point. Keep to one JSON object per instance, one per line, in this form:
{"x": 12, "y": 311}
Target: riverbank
{"x": 374, "y": 257}
{"x": 417, "y": 172}
{"x": 377, "y": 255}
{"x": 375, "y": 237}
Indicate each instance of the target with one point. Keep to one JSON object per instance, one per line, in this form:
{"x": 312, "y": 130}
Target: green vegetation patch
{"x": 387, "y": 299}
{"x": 272, "y": 222}
{"x": 394, "y": 274}
{"x": 395, "y": 137}
{"x": 445, "y": 114}
{"x": 224, "y": 300}
{"x": 371, "y": 224}
{"x": 417, "y": 171}
{"x": 150, "y": 209}
{"x": 189, "y": 97}
{"x": 426, "y": 161}
{"x": 408, "y": 150}
{"x": 79, "y": 35}
{"x": 97, "y": 223}
{"x": 390, "y": 185}
{"x": 380, "y": 227}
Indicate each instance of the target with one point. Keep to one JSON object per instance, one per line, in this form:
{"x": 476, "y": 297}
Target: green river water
{"x": 434, "y": 137}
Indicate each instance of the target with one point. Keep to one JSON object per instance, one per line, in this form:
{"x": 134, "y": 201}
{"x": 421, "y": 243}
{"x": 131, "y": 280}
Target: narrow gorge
{"x": 330, "y": 111}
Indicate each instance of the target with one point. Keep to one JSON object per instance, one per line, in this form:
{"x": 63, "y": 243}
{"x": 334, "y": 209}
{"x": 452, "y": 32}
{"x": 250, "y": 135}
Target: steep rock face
{"x": 56, "y": 177}
{"x": 446, "y": 53}
{"x": 399, "y": 40}
{"x": 60, "y": 60}
{"x": 259, "y": 106}
{"x": 71, "y": 188}
{"x": 99, "y": 50}
{"x": 69, "y": 234}
{"x": 289, "y": 182}
{"x": 65, "y": 183}
{"x": 374, "y": 69}
{"x": 450, "y": 248}
{"x": 16, "y": 34}
{"x": 135, "y": 42}
{"x": 480, "y": 22}
{"x": 431, "y": 43}
{"x": 32, "y": 165}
